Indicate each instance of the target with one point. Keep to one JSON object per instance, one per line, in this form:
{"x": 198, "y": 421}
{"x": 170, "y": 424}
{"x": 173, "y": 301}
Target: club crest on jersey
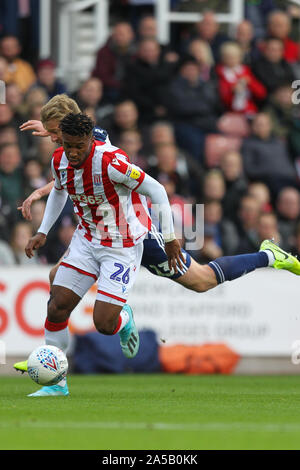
{"x": 97, "y": 179}
{"x": 63, "y": 174}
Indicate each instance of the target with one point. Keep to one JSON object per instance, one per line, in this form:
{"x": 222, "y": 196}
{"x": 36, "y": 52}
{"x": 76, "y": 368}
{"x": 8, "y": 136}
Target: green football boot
{"x": 21, "y": 366}
{"x": 283, "y": 260}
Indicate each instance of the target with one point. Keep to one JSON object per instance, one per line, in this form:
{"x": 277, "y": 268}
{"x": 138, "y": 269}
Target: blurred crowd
{"x": 213, "y": 116}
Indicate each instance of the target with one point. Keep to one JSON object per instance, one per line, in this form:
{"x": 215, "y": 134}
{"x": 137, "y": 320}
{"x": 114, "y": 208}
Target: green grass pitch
{"x": 153, "y": 412}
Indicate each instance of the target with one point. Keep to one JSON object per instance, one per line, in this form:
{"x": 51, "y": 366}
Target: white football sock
{"x": 60, "y": 339}
{"x": 271, "y": 256}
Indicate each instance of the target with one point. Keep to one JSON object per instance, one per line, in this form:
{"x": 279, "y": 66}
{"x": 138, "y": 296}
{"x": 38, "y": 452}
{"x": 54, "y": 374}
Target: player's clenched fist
{"x": 174, "y": 254}
{"x": 35, "y": 242}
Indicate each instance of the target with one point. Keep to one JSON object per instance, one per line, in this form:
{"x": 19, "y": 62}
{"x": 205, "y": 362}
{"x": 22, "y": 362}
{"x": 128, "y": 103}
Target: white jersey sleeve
{"x": 55, "y": 204}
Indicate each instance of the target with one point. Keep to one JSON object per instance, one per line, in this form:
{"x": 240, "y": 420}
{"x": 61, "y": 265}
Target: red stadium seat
{"x": 216, "y": 145}
{"x": 233, "y": 124}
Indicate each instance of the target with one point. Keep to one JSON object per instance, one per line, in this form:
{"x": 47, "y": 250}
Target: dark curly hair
{"x": 76, "y": 124}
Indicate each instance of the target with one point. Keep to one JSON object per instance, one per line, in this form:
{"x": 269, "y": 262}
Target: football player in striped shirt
{"x": 109, "y": 197}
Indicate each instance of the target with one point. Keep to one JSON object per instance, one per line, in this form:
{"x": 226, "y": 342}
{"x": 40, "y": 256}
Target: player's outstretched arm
{"x": 160, "y": 204}
{"x": 35, "y": 196}
{"x": 35, "y": 126}
{"x": 55, "y": 204}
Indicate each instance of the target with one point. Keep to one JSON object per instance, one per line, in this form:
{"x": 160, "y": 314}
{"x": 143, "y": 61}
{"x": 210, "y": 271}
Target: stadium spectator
{"x": 90, "y": 96}
{"x": 89, "y": 93}
{"x": 112, "y": 59}
{"x": 44, "y": 151}
{"x": 125, "y": 117}
{"x": 147, "y": 79}
{"x": 18, "y": 70}
{"x": 201, "y": 52}
{"x": 214, "y": 186}
{"x": 231, "y": 164}
{"x": 239, "y": 89}
{"x": 279, "y": 26}
{"x": 46, "y": 78}
{"x": 14, "y": 98}
{"x": 11, "y": 178}
{"x": 7, "y": 117}
{"x": 271, "y": 68}
{"x": 266, "y": 157}
{"x": 35, "y": 96}
{"x": 257, "y": 13}
{"x": 147, "y": 28}
{"x": 61, "y": 240}
{"x": 162, "y": 132}
{"x": 193, "y": 106}
{"x": 208, "y": 29}
{"x": 8, "y": 135}
{"x": 34, "y": 179}
{"x": 261, "y": 193}
{"x": 21, "y": 233}
{"x": 131, "y": 142}
{"x": 288, "y": 210}
{"x": 212, "y": 243}
{"x": 34, "y": 100}
{"x": 282, "y": 111}
{"x": 167, "y": 162}
{"x": 244, "y": 36}
{"x": 220, "y": 235}
{"x": 247, "y": 224}
{"x": 182, "y": 212}
{"x": 267, "y": 228}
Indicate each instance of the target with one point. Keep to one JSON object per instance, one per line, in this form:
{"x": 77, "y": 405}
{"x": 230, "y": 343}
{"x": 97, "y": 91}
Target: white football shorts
{"x": 86, "y": 262}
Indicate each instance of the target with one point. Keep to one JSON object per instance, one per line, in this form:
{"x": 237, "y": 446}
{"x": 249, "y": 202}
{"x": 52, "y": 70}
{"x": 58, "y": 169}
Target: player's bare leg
{"x": 110, "y": 319}
{"x": 199, "y": 278}
{"x": 61, "y": 304}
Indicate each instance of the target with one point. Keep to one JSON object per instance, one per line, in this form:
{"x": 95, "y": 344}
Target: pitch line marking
{"x": 247, "y": 427}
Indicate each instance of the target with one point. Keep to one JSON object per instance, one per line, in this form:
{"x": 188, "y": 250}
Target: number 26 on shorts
{"x": 119, "y": 275}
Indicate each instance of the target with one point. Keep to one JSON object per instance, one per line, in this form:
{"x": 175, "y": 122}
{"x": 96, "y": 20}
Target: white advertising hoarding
{"x": 257, "y": 314}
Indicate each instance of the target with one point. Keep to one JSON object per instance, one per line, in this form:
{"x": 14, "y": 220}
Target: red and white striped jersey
{"x": 103, "y": 194}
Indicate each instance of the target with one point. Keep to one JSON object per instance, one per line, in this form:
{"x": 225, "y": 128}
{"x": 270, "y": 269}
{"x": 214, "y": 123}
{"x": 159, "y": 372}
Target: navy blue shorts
{"x": 155, "y": 258}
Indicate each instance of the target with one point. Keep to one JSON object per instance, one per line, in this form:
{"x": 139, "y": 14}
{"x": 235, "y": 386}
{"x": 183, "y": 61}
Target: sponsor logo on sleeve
{"x": 135, "y": 174}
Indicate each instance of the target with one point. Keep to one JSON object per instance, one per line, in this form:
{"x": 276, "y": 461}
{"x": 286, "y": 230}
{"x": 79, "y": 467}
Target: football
{"x": 47, "y": 365}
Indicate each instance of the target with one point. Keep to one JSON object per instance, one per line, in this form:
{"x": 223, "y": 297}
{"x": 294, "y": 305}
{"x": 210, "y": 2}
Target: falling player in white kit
{"x": 109, "y": 197}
